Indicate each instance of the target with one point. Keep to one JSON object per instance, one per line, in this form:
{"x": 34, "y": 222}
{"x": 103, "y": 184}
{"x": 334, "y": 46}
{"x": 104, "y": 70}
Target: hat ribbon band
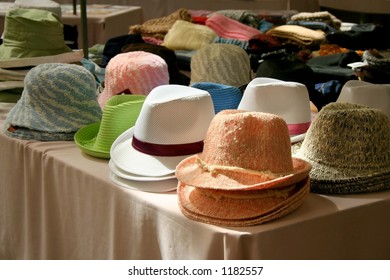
{"x": 298, "y": 128}
{"x": 215, "y": 169}
{"x": 167, "y": 149}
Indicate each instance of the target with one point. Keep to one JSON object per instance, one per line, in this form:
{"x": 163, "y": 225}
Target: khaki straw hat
{"x": 244, "y": 151}
{"x": 348, "y": 146}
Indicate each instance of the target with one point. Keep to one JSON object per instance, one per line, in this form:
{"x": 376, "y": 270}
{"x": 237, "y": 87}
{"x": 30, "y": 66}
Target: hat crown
{"x": 350, "y": 137}
{"x": 174, "y": 114}
{"x": 250, "y": 140}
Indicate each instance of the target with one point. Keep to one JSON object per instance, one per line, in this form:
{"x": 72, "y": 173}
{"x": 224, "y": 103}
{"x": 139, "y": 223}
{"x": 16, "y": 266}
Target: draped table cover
{"x": 58, "y": 203}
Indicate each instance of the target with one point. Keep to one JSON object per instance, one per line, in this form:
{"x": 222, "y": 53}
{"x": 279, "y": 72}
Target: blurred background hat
{"x": 32, "y": 33}
{"x": 135, "y": 72}
{"x": 57, "y": 100}
{"x": 119, "y": 114}
{"x": 221, "y": 63}
{"x": 224, "y": 97}
{"x": 47, "y": 5}
{"x": 348, "y": 146}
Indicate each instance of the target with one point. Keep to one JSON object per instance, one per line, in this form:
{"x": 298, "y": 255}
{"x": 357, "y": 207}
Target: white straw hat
{"x": 171, "y": 126}
{"x": 289, "y": 100}
{"x": 368, "y": 94}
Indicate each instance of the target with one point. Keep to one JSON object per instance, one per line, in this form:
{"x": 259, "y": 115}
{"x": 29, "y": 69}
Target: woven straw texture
{"x": 348, "y": 146}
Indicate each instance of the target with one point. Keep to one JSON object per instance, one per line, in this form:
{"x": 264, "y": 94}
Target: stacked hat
{"x": 320, "y": 16}
{"x": 226, "y": 27}
{"x": 171, "y": 126}
{"x": 57, "y": 100}
{"x": 175, "y": 76}
{"x": 222, "y": 64}
{"x": 119, "y": 114}
{"x": 32, "y": 33}
{"x": 245, "y": 174}
{"x": 224, "y": 96}
{"x": 368, "y": 94}
{"x": 348, "y": 146}
{"x": 299, "y": 35}
{"x": 135, "y": 72}
{"x": 289, "y": 100}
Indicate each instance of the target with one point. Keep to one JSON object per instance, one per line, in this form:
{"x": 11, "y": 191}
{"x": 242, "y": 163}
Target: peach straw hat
{"x": 171, "y": 126}
{"x": 244, "y": 151}
{"x": 290, "y": 100}
{"x": 245, "y": 174}
{"x": 135, "y": 72}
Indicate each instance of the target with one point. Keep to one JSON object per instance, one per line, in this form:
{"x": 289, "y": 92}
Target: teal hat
{"x": 119, "y": 114}
{"x": 32, "y": 33}
{"x": 57, "y": 100}
{"x": 224, "y": 96}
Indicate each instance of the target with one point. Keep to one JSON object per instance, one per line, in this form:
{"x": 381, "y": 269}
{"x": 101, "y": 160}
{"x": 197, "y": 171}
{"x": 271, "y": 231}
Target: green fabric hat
{"x": 32, "y": 33}
{"x": 119, "y": 114}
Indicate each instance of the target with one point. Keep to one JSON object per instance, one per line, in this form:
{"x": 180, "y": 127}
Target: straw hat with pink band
{"x": 171, "y": 126}
{"x": 290, "y": 100}
{"x": 135, "y": 72}
{"x": 245, "y": 174}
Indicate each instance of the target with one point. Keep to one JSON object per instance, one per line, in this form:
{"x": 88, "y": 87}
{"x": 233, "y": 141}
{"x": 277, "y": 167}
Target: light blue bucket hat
{"x": 57, "y": 100}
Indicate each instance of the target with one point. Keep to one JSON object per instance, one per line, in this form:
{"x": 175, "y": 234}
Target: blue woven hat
{"x": 224, "y": 96}
{"x": 57, "y": 100}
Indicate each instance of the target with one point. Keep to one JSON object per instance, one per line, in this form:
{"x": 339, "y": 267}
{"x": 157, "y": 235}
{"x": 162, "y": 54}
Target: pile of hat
{"x": 245, "y": 174}
{"x": 171, "y": 126}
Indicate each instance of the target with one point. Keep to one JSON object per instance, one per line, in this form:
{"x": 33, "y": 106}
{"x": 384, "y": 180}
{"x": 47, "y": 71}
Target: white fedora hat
{"x": 171, "y": 126}
{"x": 376, "y": 96}
{"x": 289, "y": 100}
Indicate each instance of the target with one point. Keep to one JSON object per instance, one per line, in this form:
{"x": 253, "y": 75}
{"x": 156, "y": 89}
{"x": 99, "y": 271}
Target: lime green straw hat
{"x": 119, "y": 114}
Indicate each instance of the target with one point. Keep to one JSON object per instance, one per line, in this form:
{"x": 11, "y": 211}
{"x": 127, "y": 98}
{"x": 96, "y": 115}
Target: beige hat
{"x": 221, "y": 63}
{"x": 348, "y": 146}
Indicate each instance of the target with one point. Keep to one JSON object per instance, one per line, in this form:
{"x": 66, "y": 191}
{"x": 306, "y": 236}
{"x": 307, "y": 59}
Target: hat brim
{"x": 85, "y": 138}
{"x": 223, "y": 211}
{"x": 191, "y": 173}
{"x": 133, "y": 177}
{"x": 155, "y": 187}
{"x": 143, "y": 165}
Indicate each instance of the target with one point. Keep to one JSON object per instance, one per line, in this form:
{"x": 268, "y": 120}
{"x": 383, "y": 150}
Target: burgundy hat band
{"x": 167, "y": 149}
{"x": 298, "y": 128}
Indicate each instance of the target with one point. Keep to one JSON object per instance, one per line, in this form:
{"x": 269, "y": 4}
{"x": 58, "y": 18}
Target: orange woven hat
{"x": 244, "y": 151}
{"x": 240, "y": 208}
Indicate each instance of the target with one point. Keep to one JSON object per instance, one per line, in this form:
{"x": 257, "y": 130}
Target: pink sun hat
{"x": 135, "y": 72}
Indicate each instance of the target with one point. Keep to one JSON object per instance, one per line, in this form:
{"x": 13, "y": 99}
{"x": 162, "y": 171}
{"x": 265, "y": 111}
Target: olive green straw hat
{"x": 119, "y": 114}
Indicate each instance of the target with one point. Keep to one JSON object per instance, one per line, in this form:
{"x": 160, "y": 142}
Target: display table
{"x": 58, "y": 203}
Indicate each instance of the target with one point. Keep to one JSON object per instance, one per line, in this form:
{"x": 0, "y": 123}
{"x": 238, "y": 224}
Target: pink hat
{"x": 244, "y": 150}
{"x": 137, "y": 72}
{"x": 226, "y": 27}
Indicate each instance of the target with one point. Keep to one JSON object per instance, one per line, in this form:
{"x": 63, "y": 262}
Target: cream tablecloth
{"x": 58, "y": 203}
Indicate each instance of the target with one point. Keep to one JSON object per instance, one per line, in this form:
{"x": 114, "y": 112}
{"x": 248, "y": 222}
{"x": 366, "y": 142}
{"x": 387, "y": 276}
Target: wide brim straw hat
{"x": 57, "y": 100}
{"x": 366, "y": 93}
{"x": 32, "y": 33}
{"x": 290, "y": 100}
{"x": 171, "y": 126}
{"x": 119, "y": 114}
{"x": 240, "y": 208}
{"x": 224, "y": 96}
{"x": 244, "y": 151}
{"x": 135, "y": 72}
{"x": 348, "y": 146}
